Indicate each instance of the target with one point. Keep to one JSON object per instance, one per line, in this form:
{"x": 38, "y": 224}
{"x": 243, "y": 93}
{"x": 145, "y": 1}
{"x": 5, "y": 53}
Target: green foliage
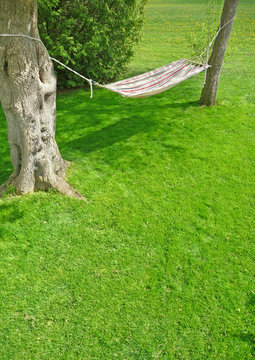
{"x": 204, "y": 31}
{"x": 95, "y": 37}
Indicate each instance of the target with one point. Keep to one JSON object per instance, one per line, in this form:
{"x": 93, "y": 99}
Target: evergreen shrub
{"x": 95, "y": 37}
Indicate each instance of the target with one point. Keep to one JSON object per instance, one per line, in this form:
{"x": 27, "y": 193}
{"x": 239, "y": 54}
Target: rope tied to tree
{"x": 21, "y": 35}
{"x": 207, "y": 49}
{"x": 90, "y": 81}
{"x": 94, "y": 83}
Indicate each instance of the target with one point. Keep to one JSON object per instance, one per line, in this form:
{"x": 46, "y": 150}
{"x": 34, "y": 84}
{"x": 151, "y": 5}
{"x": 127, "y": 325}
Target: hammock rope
{"x": 207, "y": 49}
{"x": 152, "y": 82}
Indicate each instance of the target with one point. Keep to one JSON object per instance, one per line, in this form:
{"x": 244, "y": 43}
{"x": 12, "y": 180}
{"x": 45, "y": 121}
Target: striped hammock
{"x": 158, "y": 80}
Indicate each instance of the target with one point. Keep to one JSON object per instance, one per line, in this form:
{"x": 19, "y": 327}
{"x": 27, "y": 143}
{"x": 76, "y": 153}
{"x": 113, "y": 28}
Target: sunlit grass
{"x": 159, "y": 263}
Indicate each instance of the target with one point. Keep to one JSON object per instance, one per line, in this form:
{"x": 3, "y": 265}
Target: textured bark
{"x": 28, "y": 97}
{"x": 209, "y": 92}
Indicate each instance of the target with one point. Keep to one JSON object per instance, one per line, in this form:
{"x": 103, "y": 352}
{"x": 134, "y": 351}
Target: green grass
{"x": 159, "y": 264}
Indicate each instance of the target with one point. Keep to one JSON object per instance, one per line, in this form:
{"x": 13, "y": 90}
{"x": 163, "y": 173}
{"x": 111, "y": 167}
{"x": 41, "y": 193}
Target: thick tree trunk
{"x": 28, "y": 97}
{"x": 209, "y": 92}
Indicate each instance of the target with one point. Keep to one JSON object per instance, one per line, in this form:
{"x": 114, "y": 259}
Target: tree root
{"x": 57, "y": 183}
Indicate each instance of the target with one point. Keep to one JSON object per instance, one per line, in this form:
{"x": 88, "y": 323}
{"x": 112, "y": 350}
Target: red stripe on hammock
{"x": 147, "y": 87}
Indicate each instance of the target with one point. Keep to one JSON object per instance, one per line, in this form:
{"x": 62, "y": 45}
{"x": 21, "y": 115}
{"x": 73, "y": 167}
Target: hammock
{"x": 156, "y": 81}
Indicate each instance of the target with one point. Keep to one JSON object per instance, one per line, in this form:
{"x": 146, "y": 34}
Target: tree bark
{"x": 209, "y": 92}
{"x": 28, "y": 98}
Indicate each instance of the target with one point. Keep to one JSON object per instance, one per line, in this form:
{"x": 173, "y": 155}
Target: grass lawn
{"x": 159, "y": 263}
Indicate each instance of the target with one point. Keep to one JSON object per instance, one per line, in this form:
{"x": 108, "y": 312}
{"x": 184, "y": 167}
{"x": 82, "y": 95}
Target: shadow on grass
{"x": 181, "y": 105}
{"x": 10, "y": 213}
{"x": 5, "y": 170}
{"x": 109, "y": 135}
{"x": 249, "y": 338}
{"x": 87, "y": 125}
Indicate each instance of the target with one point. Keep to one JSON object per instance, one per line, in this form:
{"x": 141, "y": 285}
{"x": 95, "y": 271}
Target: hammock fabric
{"x": 156, "y": 81}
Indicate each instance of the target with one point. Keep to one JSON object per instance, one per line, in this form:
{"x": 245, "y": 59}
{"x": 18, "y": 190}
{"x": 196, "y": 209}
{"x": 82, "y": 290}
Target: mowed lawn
{"x": 158, "y": 264}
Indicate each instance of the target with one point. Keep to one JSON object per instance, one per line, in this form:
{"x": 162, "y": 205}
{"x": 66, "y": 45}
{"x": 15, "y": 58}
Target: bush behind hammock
{"x": 96, "y": 37}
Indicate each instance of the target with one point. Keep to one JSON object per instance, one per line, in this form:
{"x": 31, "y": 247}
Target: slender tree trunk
{"x": 209, "y": 92}
{"x": 28, "y": 97}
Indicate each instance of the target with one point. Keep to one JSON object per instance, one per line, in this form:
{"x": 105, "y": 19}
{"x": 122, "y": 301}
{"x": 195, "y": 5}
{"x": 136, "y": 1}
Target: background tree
{"x": 28, "y": 98}
{"x": 96, "y": 37}
{"x": 209, "y": 92}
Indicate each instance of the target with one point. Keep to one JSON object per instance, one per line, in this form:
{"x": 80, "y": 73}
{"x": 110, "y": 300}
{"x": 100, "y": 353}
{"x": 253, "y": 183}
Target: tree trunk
{"x": 28, "y": 98}
{"x": 209, "y": 92}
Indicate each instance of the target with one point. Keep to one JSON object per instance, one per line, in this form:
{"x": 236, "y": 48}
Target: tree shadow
{"x": 251, "y": 300}
{"x": 109, "y": 135}
{"x": 10, "y": 213}
{"x": 89, "y": 125}
{"x": 249, "y": 337}
{"x": 5, "y": 170}
{"x": 182, "y": 105}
